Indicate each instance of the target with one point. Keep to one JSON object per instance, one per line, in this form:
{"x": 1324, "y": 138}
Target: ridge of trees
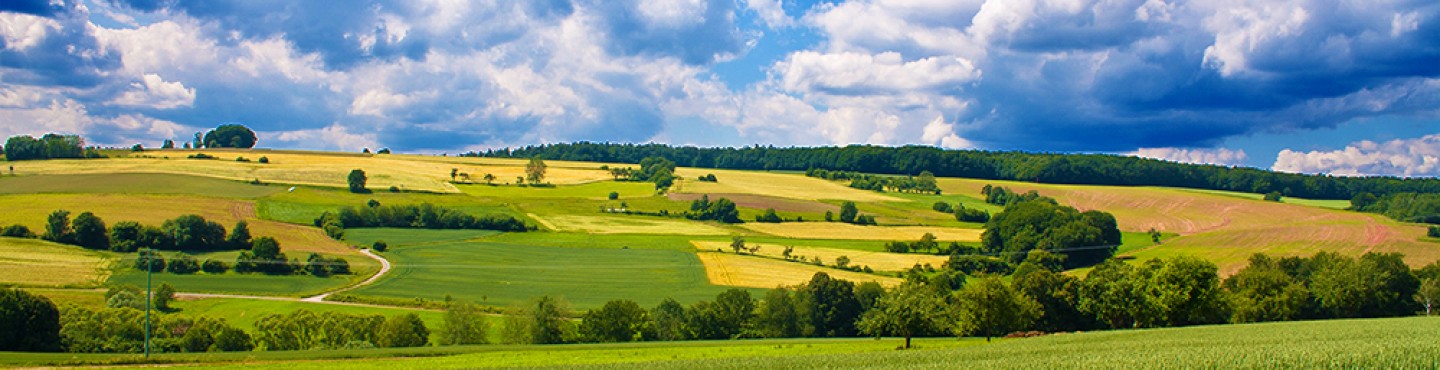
{"x": 421, "y": 216}
{"x": 49, "y": 146}
{"x": 1058, "y": 168}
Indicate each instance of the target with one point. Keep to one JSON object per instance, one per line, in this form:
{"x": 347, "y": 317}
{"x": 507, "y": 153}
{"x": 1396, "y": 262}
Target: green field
{"x": 39, "y": 263}
{"x": 365, "y": 237}
{"x": 499, "y": 274}
{"x": 1407, "y": 343}
{"x": 242, "y": 313}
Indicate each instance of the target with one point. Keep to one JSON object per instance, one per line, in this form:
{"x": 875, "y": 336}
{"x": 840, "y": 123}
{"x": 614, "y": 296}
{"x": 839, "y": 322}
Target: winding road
{"x": 319, "y": 298}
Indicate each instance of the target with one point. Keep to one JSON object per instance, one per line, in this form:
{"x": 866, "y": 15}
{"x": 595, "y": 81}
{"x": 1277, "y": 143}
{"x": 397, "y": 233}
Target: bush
{"x": 264, "y": 160}
{"x": 1273, "y": 196}
{"x": 214, "y": 267}
{"x": 1433, "y": 233}
{"x": 150, "y": 259}
{"x": 942, "y": 207}
{"x": 394, "y": 189}
{"x": 972, "y": 265}
{"x": 201, "y": 156}
{"x": 241, "y": 159}
{"x": 30, "y": 322}
{"x": 17, "y": 231}
{"x": 183, "y": 264}
{"x": 379, "y": 246}
{"x": 614, "y": 195}
{"x": 963, "y": 214}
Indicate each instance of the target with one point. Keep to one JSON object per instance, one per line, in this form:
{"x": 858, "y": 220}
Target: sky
{"x": 1312, "y": 86}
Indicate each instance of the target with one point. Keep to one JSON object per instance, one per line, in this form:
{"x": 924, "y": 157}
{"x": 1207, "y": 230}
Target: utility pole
{"x": 149, "y": 270}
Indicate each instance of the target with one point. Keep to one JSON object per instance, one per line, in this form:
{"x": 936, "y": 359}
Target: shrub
{"x": 145, "y": 260}
{"x": 379, "y": 246}
{"x": 394, "y": 189}
{"x": 214, "y": 267}
{"x": 201, "y": 156}
{"x": 614, "y": 195}
{"x": 1433, "y": 233}
{"x": 942, "y": 207}
{"x": 17, "y": 231}
{"x": 241, "y": 159}
{"x": 183, "y": 264}
{"x": 1273, "y": 196}
{"x": 264, "y": 160}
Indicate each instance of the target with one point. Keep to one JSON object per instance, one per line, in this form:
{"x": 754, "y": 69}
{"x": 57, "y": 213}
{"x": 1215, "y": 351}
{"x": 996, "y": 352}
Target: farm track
{"x": 319, "y": 298}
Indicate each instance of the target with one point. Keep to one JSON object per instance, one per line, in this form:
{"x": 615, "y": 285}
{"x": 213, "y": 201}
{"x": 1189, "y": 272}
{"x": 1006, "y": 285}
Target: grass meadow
{"x": 39, "y": 263}
{"x": 1397, "y": 343}
{"x": 243, "y": 313}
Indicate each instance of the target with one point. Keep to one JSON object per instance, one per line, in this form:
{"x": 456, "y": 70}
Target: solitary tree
{"x": 848, "y": 212}
{"x": 163, "y": 296}
{"x": 357, "y": 181}
{"x": 57, "y": 227}
{"x": 737, "y": 243}
{"x": 1428, "y": 293}
{"x": 912, "y": 308}
{"x": 90, "y": 231}
{"x": 230, "y": 136}
{"x": 535, "y": 171}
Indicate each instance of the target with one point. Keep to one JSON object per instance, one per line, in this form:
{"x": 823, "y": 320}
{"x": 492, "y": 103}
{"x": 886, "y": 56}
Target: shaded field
{"x": 760, "y": 272}
{"x": 237, "y": 283}
{"x": 304, "y": 205}
{"x": 879, "y": 261}
{"x": 498, "y": 274}
{"x": 134, "y": 183}
{"x": 1228, "y": 229}
{"x": 626, "y": 225}
{"x": 90, "y": 298}
{"x": 365, "y": 237}
{"x": 838, "y": 230}
{"x": 38, "y": 263}
{"x": 762, "y": 202}
{"x": 782, "y": 185}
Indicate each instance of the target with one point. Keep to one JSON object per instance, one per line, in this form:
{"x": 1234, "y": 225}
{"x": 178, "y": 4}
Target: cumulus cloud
{"x": 153, "y": 92}
{"x": 771, "y": 12}
{"x": 865, "y": 74}
{"x": 1400, "y": 157}
{"x": 1220, "y": 156}
{"x": 333, "y": 137}
{"x": 941, "y": 134}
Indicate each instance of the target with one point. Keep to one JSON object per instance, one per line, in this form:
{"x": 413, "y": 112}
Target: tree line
{"x": 1092, "y": 169}
{"x": 421, "y": 216}
{"x": 49, "y": 146}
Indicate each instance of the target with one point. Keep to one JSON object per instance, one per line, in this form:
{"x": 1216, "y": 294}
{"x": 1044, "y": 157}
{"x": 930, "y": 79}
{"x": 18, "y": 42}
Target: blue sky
{"x": 1340, "y": 87}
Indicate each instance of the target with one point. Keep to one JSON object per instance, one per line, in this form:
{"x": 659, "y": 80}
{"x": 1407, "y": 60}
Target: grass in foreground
{"x": 1368, "y": 343}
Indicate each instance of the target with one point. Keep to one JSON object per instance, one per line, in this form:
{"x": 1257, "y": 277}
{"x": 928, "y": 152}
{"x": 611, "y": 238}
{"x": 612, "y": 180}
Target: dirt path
{"x": 320, "y": 298}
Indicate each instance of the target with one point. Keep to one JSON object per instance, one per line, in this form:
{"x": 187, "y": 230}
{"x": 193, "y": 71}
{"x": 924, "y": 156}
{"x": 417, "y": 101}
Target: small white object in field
{"x": 292, "y": 189}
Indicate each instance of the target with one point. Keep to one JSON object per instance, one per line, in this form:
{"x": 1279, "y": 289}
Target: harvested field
{"x": 763, "y": 202}
{"x": 626, "y": 225}
{"x": 879, "y": 261}
{"x": 134, "y": 183}
{"x": 1228, "y": 229}
{"x": 782, "y": 185}
{"x": 837, "y": 230}
{"x": 759, "y": 272}
{"x": 38, "y": 263}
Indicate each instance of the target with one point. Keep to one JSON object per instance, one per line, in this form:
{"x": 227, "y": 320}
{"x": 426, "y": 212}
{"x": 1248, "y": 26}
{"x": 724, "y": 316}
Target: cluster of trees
{"x": 189, "y": 233}
{"x": 710, "y": 177}
{"x": 658, "y": 170}
{"x": 1408, "y": 207}
{"x": 924, "y": 183}
{"x": 722, "y": 210}
{"x": 226, "y": 136}
{"x": 306, "y": 330}
{"x": 961, "y": 213}
{"x": 49, "y": 146}
{"x": 33, "y": 323}
{"x": 1082, "y": 238}
{"x": 1093, "y": 169}
{"x": 421, "y": 216}
{"x": 850, "y": 214}
{"x": 926, "y": 243}
{"x": 1002, "y": 196}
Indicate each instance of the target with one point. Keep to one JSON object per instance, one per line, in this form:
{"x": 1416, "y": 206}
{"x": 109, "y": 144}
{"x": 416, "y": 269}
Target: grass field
{"x": 236, "y": 283}
{"x": 761, "y": 272}
{"x": 1400, "y": 343}
{"x": 38, "y": 263}
{"x": 837, "y": 230}
{"x": 595, "y": 190}
{"x": 782, "y": 185}
{"x": 620, "y": 224}
{"x": 498, "y": 274}
{"x": 879, "y": 261}
{"x": 365, "y": 237}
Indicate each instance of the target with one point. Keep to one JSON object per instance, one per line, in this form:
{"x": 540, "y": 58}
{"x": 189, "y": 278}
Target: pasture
{"x": 499, "y": 274}
{"x": 879, "y": 261}
{"x": 134, "y": 183}
{"x": 762, "y": 272}
{"x": 39, "y": 263}
{"x": 838, "y": 230}
{"x": 237, "y": 283}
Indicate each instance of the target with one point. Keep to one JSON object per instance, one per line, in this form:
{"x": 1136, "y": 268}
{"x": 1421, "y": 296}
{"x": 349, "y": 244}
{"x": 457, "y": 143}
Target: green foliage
{"x": 182, "y": 264}
{"x": 230, "y": 136}
{"x": 618, "y": 321}
{"x": 1058, "y": 296}
{"x": 831, "y": 306}
{"x": 17, "y": 231}
{"x": 464, "y": 324}
{"x": 726, "y": 318}
{"x": 769, "y": 216}
{"x": 668, "y": 321}
{"x": 1377, "y": 285}
{"x": 779, "y": 315}
{"x": 1273, "y": 196}
{"x": 1428, "y": 293}
{"x": 1408, "y": 207}
{"x": 305, "y": 329}
{"x": 50, "y": 146}
{"x": 404, "y": 330}
{"x": 379, "y": 246}
{"x": 89, "y": 231}
{"x": 422, "y": 216}
{"x": 535, "y": 171}
{"x": 943, "y": 207}
{"x": 356, "y": 180}
{"x": 1263, "y": 291}
{"x": 990, "y": 308}
{"x": 911, "y": 309}
{"x": 1433, "y": 232}
{"x": 613, "y": 195}
{"x": 723, "y": 210}
{"x": 264, "y": 256}
{"x": 57, "y": 227}
{"x": 964, "y": 214}
{"x": 239, "y": 236}
{"x": 149, "y": 259}
{"x": 28, "y": 322}
{"x": 163, "y": 295}
{"x": 849, "y": 212}
{"x": 1084, "y": 238}
{"x": 543, "y": 320}
{"x": 976, "y": 265}
{"x": 214, "y": 267}
{"x": 195, "y": 233}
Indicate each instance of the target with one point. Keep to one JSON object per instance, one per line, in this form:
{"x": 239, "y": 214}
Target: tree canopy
{"x": 230, "y": 136}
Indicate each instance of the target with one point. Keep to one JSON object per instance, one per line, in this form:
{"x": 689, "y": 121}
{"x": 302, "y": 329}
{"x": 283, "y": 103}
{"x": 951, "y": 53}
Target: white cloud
{"x": 24, "y": 31}
{"x": 865, "y": 74}
{"x": 942, "y": 134}
{"x": 1244, "y": 29}
{"x": 672, "y": 13}
{"x": 771, "y": 12}
{"x": 333, "y": 137}
{"x": 377, "y": 102}
{"x": 1220, "y": 156}
{"x": 1400, "y": 157}
{"x": 59, "y": 115}
{"x": 176, "y": 47}
{"x": 154, "y": 92}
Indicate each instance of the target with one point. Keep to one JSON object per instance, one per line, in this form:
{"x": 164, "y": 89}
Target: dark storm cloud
{"x": 694, "y": 41}
{"x": 68, "y": 56}
{"x": 41, "y": 8}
